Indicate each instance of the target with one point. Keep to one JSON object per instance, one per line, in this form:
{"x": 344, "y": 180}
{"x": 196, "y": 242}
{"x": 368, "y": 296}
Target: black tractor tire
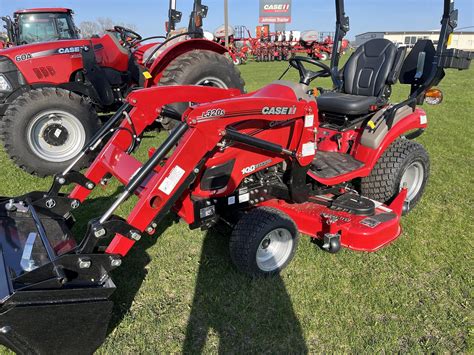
{"x": 247, "y": 242}
{"x": 192, "y": 68}
{"x": 27, "y": 139}
{"x": 400, "y": 159}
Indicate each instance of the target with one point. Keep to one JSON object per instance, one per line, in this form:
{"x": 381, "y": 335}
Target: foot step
{"x": 331, "y": 164}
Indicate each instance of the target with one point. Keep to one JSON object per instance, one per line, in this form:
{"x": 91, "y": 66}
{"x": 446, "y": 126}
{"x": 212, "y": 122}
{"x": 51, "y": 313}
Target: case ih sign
{"x": 275, "y": 11}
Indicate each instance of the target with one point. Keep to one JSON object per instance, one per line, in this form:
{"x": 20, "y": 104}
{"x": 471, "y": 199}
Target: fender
{"x": 172, "y": 52}
{"x": 369, "y": 155}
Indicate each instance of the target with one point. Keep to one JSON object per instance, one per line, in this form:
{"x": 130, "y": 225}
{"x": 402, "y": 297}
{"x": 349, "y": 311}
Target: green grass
{"x": 179, "y": 292}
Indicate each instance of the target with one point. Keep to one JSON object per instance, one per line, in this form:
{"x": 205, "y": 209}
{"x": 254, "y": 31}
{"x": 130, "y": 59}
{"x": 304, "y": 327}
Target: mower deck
{"x": 357, "y": 227}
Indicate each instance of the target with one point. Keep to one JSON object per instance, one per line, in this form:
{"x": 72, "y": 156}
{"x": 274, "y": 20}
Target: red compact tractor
{"x": 51, "y": 92}
{"x": 341, "y": 168}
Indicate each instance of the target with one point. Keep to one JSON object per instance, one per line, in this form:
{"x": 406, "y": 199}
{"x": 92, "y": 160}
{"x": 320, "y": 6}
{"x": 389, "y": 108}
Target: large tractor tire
{"x": 44, "y": 129}
{"x": 404, "y": 164}
{"x": 200, "y": 67}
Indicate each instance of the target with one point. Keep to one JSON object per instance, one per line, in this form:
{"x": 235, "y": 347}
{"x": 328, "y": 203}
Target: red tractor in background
{"x": 39, "y": 25}
{"x": 51, "y": 92}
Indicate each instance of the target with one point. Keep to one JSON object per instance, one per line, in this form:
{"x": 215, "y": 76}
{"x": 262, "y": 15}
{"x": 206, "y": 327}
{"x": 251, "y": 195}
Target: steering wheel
{"x": 306, "y": 75}
{"x": 128, "y": 36}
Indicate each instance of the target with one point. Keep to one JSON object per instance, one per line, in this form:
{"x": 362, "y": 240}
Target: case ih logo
{"x": 275, "y": 11}
{"x": 279, "y": 110}
{"x": 276, "y": 8}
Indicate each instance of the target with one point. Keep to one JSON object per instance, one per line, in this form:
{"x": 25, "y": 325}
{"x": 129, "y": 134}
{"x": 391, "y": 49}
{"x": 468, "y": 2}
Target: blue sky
{"x": 366, "y": 15}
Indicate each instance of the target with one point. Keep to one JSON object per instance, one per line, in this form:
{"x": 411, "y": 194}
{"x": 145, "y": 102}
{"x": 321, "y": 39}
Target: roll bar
{"x": 174, "y": 16}
{"x": 342, "y": 27}
{"x": 195, "y": 20}
{"x": 449, "y": 22}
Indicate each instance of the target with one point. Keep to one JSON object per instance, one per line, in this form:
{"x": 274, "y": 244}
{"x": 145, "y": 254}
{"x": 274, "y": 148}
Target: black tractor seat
{"x": 366, "y": 79}
{"x": 345, "y": 104}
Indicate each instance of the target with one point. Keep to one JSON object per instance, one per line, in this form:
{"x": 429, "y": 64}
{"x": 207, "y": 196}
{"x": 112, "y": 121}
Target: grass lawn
{"x": 179, "y": 292}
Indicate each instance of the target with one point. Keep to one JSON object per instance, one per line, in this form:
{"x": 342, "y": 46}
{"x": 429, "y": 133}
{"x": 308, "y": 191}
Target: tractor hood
{"x": 39, "y": 50}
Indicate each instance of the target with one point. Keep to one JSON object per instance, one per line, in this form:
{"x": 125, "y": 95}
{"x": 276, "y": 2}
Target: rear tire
{"x": 403, "y": 162}
{"x": 200, "y": 67}
{"x": 263, "y": 242}
{"x": 44, "y": 129}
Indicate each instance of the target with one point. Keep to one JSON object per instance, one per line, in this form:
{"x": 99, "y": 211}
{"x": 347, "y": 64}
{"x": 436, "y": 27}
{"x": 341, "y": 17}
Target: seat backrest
{"x": 367, "y": 70}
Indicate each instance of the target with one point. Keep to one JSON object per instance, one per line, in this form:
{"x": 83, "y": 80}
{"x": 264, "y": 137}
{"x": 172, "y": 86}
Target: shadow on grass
{"x": 236, "y": 314}
{"x": 132, "y": 272}
{"x": 230, "y": 311}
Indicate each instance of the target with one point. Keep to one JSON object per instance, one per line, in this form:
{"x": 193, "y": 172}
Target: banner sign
{"x": 275, "y": 11}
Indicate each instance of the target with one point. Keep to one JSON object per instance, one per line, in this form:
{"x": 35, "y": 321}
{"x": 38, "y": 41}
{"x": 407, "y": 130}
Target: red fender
{"x": 369, "y": 156}
{"x": 171, "y": 53}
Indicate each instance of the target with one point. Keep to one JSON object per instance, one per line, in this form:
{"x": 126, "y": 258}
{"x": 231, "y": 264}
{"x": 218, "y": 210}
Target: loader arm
{"x": 160, "y": 182}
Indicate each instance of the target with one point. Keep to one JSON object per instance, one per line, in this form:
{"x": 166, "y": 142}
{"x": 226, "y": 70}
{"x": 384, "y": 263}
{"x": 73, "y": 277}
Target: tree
{"x": 89, "y": 28}
{"x": 100, "y": 25}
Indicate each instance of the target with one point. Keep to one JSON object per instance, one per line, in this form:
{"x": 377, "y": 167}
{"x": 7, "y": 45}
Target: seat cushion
{"x": 337, "y": 102}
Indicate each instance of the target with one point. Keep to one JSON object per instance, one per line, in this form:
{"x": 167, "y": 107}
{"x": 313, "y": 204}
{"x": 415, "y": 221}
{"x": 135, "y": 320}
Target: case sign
{"x": 275, "y": 11}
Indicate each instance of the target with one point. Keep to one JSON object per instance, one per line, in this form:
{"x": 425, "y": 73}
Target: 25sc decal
{"x": 215, "y": 112}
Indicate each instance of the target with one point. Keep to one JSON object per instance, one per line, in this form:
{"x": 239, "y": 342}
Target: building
{"x": 461, "y": 39}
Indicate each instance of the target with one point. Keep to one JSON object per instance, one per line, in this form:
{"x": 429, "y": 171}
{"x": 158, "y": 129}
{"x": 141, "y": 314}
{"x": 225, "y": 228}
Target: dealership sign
{"x": 275, "y": 11}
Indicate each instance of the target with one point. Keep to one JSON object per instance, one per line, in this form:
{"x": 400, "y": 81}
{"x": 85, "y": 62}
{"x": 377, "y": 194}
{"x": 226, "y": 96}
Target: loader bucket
{"x": 52, "y": 299}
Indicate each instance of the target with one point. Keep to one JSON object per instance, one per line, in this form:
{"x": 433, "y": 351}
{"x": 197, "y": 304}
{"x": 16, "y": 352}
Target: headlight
{"x": 4, "y": 84}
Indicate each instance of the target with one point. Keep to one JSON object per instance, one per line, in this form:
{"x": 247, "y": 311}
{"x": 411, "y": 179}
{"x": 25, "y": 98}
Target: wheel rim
{"x": 274, "y": 249}
{"x": 213, "y": 82}
{"x": 55, "y": 136}
{"x": 413, "y": 178}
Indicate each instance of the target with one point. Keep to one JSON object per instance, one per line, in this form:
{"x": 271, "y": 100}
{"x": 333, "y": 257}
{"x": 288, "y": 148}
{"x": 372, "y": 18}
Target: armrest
{"x": 397, "y": 66}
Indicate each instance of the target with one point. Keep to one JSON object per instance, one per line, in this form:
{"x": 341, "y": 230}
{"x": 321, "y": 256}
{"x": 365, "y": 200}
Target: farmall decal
{"x": 275, "y": 11}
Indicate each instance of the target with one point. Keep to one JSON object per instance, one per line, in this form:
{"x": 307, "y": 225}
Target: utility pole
{"x": 226, "y": 23}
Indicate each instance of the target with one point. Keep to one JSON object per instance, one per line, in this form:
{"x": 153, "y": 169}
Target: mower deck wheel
{"x": 44, "y": 129}
{"x": 263, "y": 242}
{"x": 404, "y": 164}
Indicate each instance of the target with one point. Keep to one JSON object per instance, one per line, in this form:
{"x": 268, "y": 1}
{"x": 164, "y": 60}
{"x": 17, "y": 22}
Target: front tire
{"x": 200, "y": 67}
{"x": 263, "y": 242}
{"x": 43, "y": 130}
{"x": 404, "y": 163}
